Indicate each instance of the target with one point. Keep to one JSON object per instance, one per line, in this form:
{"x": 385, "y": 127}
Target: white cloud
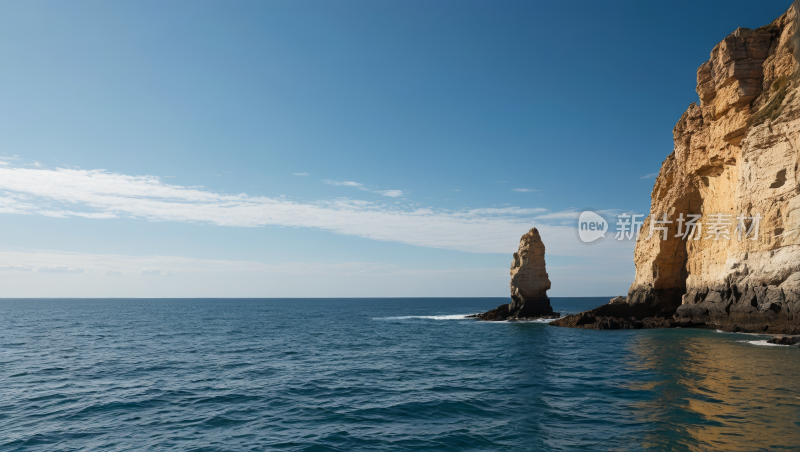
{"x": 392, "y": 193}
{"x": 59, "y": 269}
{"x": 538, "y": 211}
{"x": 360, "y": 186}
{"x": 47, "y": 261}
{"x": 649, "y": 176}
{"x": 123, "y": 276}
{"x": 69, "y": 274}
{"x": 15, "y": 268}
{"x": 344, "y": 183}
{"x": 563, "y": 215}
{"x": 524, "y": 190}
{"x": 302, "y": 174}
{"x": 101, "y": 194}
{"x": 146, "y": 272}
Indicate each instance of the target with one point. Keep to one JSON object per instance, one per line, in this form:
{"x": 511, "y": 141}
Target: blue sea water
{"x": 377, "y": 374}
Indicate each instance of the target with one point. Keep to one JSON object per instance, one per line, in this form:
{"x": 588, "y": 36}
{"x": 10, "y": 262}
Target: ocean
{"x": 383, "y": 374}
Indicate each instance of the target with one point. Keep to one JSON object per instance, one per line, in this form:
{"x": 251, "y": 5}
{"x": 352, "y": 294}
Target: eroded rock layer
{"x": 529, "y": 283}
{"x": 737, "y": 155}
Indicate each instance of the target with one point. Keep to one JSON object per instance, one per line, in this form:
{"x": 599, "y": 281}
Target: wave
{"x": 762, "y": 342}
{"x": 532, "y": 321}
{"x": 457, "y": 317}
{"x": 431, "y": 317}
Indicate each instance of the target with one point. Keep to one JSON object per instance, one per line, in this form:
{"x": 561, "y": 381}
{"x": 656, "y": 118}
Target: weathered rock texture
{"x": 737, "y": 152}
{"x": 529, "y": 284}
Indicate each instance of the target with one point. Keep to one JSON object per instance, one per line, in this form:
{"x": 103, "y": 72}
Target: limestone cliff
{"x": 529, "y": 283}
{"x": 735, "y": 154}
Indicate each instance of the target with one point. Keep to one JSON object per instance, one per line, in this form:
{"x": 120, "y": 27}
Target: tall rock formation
{"x": 736, "y": 154}
{"x": 529, "y": 283}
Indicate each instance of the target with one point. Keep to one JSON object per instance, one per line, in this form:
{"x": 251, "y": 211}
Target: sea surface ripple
{"x": 377, "y": 374}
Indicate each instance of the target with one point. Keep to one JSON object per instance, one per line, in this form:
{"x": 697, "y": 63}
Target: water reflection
{"x": 712, "y": 390}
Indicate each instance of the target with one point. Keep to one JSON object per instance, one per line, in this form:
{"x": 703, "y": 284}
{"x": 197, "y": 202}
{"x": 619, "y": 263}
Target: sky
{"x": 335, "y": 148}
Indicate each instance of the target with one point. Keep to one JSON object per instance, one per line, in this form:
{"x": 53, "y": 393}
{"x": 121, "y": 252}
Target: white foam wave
{"x": 458, "y": 317}
{"x": 762, "y": 342}
{"x": 431, "y": 317}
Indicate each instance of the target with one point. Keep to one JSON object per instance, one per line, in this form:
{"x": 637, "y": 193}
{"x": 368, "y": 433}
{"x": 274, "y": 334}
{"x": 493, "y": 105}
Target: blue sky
{"x": 348, "y": 148}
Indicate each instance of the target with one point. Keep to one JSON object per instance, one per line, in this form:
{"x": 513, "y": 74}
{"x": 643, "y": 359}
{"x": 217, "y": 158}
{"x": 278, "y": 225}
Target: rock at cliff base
{"x": 614, "y": 317}
{"x": 529, "y": 284}
{"x": 784, "y": 340}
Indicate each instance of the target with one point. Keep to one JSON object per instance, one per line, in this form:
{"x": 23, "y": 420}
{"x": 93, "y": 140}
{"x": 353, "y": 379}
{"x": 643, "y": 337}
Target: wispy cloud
{"x": 24, "y": 273}
{"x": 59, "y": 269}
{"x": 302, "y": 174}
{"x": 563, "y": 215}
{"x": 649, "y": 176}
{"x": 15, "y": 268}
{"x": 524, "y": 190}
{"x": 47, "y": 261}
{"x": 392, "y": 193}
{"x": 345, "y": 183}
{"x": 100, "y": 194}
{"x": 172, "y": 276}
{"x": 146, "y": 272}
{"x": 360, "y": 186}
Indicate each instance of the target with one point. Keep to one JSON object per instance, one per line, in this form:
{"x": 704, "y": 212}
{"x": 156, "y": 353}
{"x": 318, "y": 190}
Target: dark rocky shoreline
{"x": 765, "y": 310}
{"x": 651, "y": 312}
{"x": 784, "y": 340}
{"x": 520, "y": 309}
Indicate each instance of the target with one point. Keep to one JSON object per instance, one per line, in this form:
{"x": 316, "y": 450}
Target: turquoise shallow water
{"x": 377, "y": 374}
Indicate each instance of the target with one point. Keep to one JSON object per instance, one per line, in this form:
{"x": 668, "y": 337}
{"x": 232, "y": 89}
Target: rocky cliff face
{"x": 529, "y": 283}
{"x": 736, "y": 155}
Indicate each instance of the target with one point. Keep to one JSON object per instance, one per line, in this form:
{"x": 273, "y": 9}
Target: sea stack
{"x": 529, "y": 284}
